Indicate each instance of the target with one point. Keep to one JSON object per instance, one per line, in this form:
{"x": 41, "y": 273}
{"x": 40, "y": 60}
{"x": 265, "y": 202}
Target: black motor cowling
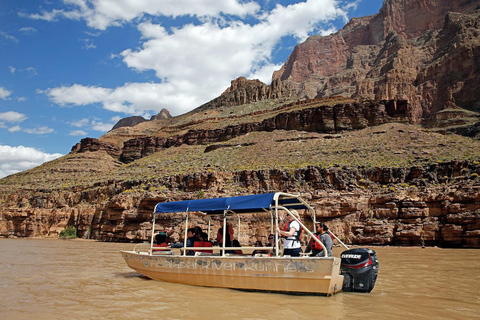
{"x": 360, "y": 269}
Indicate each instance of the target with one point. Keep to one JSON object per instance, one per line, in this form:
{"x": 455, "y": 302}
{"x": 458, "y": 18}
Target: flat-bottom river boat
{"x": 223, "y": 269}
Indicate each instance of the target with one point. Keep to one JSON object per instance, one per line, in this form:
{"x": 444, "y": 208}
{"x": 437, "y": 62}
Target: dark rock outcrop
{"x": 129, "y": 122}
{"x": 92, "y": 145}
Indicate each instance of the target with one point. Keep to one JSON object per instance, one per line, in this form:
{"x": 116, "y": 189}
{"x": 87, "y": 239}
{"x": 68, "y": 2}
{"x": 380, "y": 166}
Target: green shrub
{"x": 69, "y": 232}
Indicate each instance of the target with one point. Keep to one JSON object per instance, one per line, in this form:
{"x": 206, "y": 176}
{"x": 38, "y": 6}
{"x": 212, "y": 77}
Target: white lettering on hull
{"x": 250, "y": 266}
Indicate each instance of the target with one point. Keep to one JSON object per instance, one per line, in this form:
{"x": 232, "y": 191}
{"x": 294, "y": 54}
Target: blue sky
{"x": 71, "y": 69}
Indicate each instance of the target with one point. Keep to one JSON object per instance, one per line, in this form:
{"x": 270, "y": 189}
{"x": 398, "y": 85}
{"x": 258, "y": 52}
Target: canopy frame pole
{"x": 150, "y": 252}
{"x": 186, "y": 234}
{"x": 209, "y": 225}
{"x": 343, "y": 244}
{"x": 224, "y": 229}
{"x": 277, "y": 238}
{"x": 306, "y": 230}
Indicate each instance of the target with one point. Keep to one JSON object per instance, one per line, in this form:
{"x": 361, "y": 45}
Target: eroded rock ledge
{"x": 435, "y": 204}
{"x": 322, "y": 118}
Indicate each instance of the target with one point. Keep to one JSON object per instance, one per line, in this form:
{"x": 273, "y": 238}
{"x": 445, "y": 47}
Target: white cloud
{"x": 93, "y": 124}
{"x": 88, "y": 44}
{"x": 77, "y": 133}
{"x": 195, "y": 63}
{"x": 80, "y": 123}
{"x": 12, "y": 69}
{"x": 28, "y": 30}
{"x": 7, "y": 36}
{"x": 4, "y": 93}
{"x": 31, "y": 71}
{"x": 39, "y": 130}
{"x": 15, "y": 129}
{"x": 12, "y": 116}
{"x": 16, "y": 159}
{"x": 103, "y": 14}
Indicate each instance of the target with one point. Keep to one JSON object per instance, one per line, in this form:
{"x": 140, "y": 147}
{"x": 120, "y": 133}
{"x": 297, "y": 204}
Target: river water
{"x": 75, "y": 279}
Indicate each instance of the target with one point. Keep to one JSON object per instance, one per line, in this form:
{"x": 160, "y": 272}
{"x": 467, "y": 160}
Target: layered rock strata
{"x": 426, "y": 52}
{"x": 426, "y": 205}
{"x": 321, "y": 118}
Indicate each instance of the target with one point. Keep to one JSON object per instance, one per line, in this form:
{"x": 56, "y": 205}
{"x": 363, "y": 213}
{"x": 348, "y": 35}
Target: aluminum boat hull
{"x": 275, "y": 274}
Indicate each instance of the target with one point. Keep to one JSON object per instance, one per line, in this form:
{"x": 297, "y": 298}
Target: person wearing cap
{"x": 324, "y": 237}
{"x": 292, "y": 233}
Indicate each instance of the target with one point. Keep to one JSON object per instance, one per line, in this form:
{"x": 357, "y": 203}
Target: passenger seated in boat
{"x": 191, "y": 240}
{"x": 203, "y": 242}
{"x": 292, "y": 233}
{"x": 271, "y": 243}
{"x": 228, "y": 235}
{"x": 256, "y": 251}
{"x": 236, "y": 244}
{"x": 160, "y": 242}
{"x": 323, "y": 235}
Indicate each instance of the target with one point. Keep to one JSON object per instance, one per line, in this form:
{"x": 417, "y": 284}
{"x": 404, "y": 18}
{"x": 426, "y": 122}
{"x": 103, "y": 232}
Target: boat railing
{"x": 142, "y": 247}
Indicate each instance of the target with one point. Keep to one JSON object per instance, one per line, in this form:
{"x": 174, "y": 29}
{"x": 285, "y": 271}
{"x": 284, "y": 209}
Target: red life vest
{"x": 315, "y": 245}
{"x": 203, "y": 244}
{"x": 297, "y": 234}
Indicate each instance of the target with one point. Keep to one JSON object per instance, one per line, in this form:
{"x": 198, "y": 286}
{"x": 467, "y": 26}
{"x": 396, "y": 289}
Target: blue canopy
{"x": 242, "y": 204}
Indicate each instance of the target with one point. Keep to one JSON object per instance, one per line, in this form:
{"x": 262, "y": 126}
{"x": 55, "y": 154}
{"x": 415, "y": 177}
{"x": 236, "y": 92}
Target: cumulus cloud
{"x": 17, "y": 159}
{"x": 12, "y": 116}
{"x": 39, "y": 130}
{"x": 103, "y": 14}
{"x": 4, "y": 93}
{"x": 77, "y": 133}
{"x": 93, "y": 124}
{"x": 196, "y": 62}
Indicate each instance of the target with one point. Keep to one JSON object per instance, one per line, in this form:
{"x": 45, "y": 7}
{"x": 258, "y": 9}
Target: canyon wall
{"x": 430, "y": 205}
{"x": 426, "y": 52}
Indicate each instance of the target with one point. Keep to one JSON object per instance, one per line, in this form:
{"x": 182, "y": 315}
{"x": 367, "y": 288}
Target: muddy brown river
{"x": 75, "y": 279}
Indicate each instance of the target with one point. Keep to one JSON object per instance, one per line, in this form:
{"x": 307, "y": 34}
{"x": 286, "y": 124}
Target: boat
{"x": 223, "y": 269}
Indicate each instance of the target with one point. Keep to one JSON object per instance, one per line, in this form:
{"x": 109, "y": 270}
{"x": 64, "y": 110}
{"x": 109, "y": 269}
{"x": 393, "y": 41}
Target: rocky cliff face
{"x": 320, "y": 118}
{"x": 424, "y": 205}
{"x": 243, "y": 91}
{"x": 163, "y": 114}
{"x": 129, "y": 122}
{"x": 426, "y": 52}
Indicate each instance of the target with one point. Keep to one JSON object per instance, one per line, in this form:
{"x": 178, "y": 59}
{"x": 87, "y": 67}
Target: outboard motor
{"x": 359, "y": 268}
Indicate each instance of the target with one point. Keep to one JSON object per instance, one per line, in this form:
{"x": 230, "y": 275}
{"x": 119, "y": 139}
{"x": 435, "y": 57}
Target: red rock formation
{"x": 244, "y": 91}
{"x": 92, "y": 145}
{"x": 413, "y": 50}
{"x": 163, "y": 114}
